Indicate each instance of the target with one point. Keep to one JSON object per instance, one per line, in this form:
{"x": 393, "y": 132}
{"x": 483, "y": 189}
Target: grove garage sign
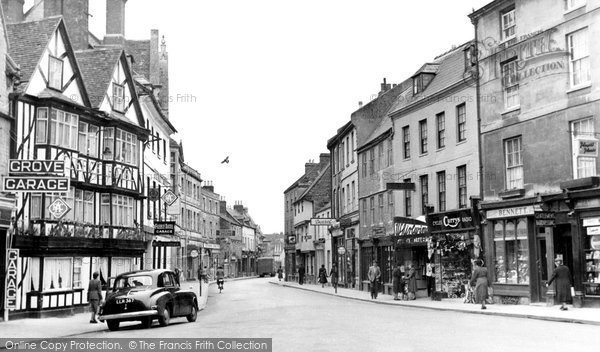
{"x": 39, "y": 176}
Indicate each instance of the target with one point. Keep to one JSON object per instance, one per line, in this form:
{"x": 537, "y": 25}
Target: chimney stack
{"x": 13, "y": 10}
{"x": 115, "y": 22}
{"x": 164, "y": 76}
{"x": 154, "y": 58}
{"x": 324, "y": 159}
{"x": 385, "y": 87}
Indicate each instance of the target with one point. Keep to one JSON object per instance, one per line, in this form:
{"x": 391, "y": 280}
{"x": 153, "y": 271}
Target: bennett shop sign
{"x": 458, "y": 220}
{"x": 510, "y": 212}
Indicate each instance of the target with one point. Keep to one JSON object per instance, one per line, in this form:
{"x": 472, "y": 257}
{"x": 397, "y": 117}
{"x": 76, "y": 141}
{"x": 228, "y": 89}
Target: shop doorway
{"x": 544, "y": 261}
{"x": 563, "y": 245}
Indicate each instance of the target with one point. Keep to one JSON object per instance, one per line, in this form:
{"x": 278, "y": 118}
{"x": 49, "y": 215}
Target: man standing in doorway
{"x": 374, "y": 276}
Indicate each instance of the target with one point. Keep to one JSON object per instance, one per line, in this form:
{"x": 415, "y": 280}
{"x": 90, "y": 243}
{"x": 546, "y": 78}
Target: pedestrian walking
{"x": 323, "y": 276}
{"x": 334, "y": 277}
{"x": 398, "y": 282}
{"x": 280, "y": 273}
{"x": 301, "y": 273}
{"x": 374, "y": 276}
{"x": 201, "y": 277}
{"x": 480, "y": 280}
{"x": 220, "y": 277}
{"x": 94, "y": 296}
{"x": 563, "y": 279}
{"x": 411, "y": 278}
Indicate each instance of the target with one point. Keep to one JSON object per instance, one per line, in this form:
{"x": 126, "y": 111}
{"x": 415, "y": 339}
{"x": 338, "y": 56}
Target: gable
{"x": 57, "y": 71}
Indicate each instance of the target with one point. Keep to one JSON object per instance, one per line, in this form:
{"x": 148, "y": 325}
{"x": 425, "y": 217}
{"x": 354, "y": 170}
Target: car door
{"x": 169, "y": 285}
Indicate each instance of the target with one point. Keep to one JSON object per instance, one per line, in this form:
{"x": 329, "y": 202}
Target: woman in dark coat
{"x": 562, "y": 275}
{"x": 334, "y": 277}
{"x": 323, "y": 276}
{"x": 479, "y": 279}
{"x": 412, "y": 282}
{"x": 398, "y": 282}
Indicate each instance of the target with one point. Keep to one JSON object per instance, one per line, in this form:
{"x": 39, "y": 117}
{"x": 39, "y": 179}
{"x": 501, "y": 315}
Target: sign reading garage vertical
{"x": 12, "y": 256}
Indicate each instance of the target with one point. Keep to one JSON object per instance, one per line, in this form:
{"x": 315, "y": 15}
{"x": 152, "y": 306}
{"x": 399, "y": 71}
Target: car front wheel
{"x": 165, "y": 317}
{"x": 193, "y": 315}
{"x": 113, "y": 325}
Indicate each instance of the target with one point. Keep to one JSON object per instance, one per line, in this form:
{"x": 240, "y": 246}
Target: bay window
{"x": 63, "y": 129}
{"x": 41, "y": 126}
{"x": 127, "y": 149}
{"x": 88, "y": 139}
{"x": 84, "y": 206}
{"x": 124, "y": 210}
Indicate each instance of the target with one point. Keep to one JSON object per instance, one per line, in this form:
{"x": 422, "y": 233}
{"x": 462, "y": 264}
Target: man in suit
{"x": 94, "y": 296}
{"x": 374, "y": 276}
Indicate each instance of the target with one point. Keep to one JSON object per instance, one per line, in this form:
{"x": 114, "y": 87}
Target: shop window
{"x": 592, "y": 262}
{"x": 511, "y": 252}
{"x": 57, "y": 273}
{"x": 77, "y": 272}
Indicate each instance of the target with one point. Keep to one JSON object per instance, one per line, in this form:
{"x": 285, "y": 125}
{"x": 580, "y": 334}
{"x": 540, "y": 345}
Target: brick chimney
{"x": 154, "y": 58}
{"x": 222, "y": 207}
{"x": 208, "y": 186}
{"x": 163, "y": 63}
{"x": 310, "y": 167}
{"x": 76, "y": 16}
{"x": 239, "y": 207}
{"x": 13, "y": 10}
{"x": 324, "y": 159}
{"x": 115, "y": 22}
{"x": 385, "y": 87}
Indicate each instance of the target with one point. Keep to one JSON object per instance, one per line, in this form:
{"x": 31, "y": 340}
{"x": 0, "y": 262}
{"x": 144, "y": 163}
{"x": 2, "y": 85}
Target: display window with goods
{"x": 511, "y": 251}
{"x": 592, "y": 262}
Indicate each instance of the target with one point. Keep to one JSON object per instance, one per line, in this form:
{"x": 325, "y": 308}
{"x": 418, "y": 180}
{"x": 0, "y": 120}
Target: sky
{"x": 268, "y": 82}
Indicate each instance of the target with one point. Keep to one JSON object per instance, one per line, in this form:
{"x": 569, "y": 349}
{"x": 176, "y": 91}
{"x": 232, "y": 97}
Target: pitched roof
{"x": 27, "y": 42}
{"x": 451, "y": 71}
{"x": 97, "y": 67}
{"x": 318, "y": 192}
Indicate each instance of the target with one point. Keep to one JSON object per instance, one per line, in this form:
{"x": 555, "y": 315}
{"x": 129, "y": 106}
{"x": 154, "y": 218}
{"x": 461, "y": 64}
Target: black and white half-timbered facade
{"x": 79, "y": 107}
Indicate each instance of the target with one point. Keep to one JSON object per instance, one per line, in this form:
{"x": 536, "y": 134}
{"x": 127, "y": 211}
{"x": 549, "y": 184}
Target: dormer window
{"x": 508, "y": 23}
{"x": 118, "y": 97}
{"x": 55, "y": 73}
{"x": 421, "y": 81}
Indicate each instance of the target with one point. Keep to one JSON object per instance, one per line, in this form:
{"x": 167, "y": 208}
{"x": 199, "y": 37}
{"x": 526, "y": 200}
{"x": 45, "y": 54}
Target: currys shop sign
{"x": 456, "y": 220}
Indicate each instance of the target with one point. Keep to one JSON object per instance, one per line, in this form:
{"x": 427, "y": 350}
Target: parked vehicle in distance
{"x": 146, "y": 295}
{"x": 266, "y": 266}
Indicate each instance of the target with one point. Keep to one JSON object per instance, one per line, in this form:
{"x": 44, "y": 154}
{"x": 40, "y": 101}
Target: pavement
{"x": 78, "y": 324}
{"x": 589, "y": 316}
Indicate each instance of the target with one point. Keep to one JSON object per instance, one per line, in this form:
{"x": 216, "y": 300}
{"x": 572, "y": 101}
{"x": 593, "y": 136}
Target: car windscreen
{"x": 133, "y": 281}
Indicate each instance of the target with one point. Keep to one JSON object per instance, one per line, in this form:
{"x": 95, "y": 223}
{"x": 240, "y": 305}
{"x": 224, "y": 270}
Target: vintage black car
{"x": 147, "y": 295}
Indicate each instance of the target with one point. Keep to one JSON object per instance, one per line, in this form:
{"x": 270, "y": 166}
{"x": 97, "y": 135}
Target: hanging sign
{"x": 166, "y": 228}
{"x": 11, "y": 278}
{"x": 322, "y": 222}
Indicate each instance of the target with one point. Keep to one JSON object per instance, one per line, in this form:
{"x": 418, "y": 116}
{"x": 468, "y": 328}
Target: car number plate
{"x": 124, "y": 300}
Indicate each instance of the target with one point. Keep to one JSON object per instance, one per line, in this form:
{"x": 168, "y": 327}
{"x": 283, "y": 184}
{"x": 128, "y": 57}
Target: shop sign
{"x": 409, "y": 227}
{"x": 194, "y": 254}
{"x": 211, "y": 246}
{"x": 458, "y": 220}
{"x": 12, "y": 256}
{"x": 345, "y": 222}
{"x": 545, "y": 219}
{"x": 153, "y": 194}
{"x": 510, "y": 212}
{"x": 341, "y": 250}
{"x": 413, "y": 240}
{"x": 166, "y": 244}
{"x": 164, "y": 228}
{"x": 591, "y": 222}
{"x": 587, "y": 203}
{"x": 59, "y": 208}
{"x": 322, "y": 222}
{"x": 36, "y": 184}
{"x": 588, "y": 147}
{"x": 291, "y": 239}
{"x": 169, "y": 197}
{"x": 593, "y": 231}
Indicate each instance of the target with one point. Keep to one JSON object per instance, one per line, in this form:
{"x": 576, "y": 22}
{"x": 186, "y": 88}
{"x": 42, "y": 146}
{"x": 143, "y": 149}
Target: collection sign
{"x": 11, "y": 278}
{"x": 165, "y": 228}
{"x": 39, "y": 176}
